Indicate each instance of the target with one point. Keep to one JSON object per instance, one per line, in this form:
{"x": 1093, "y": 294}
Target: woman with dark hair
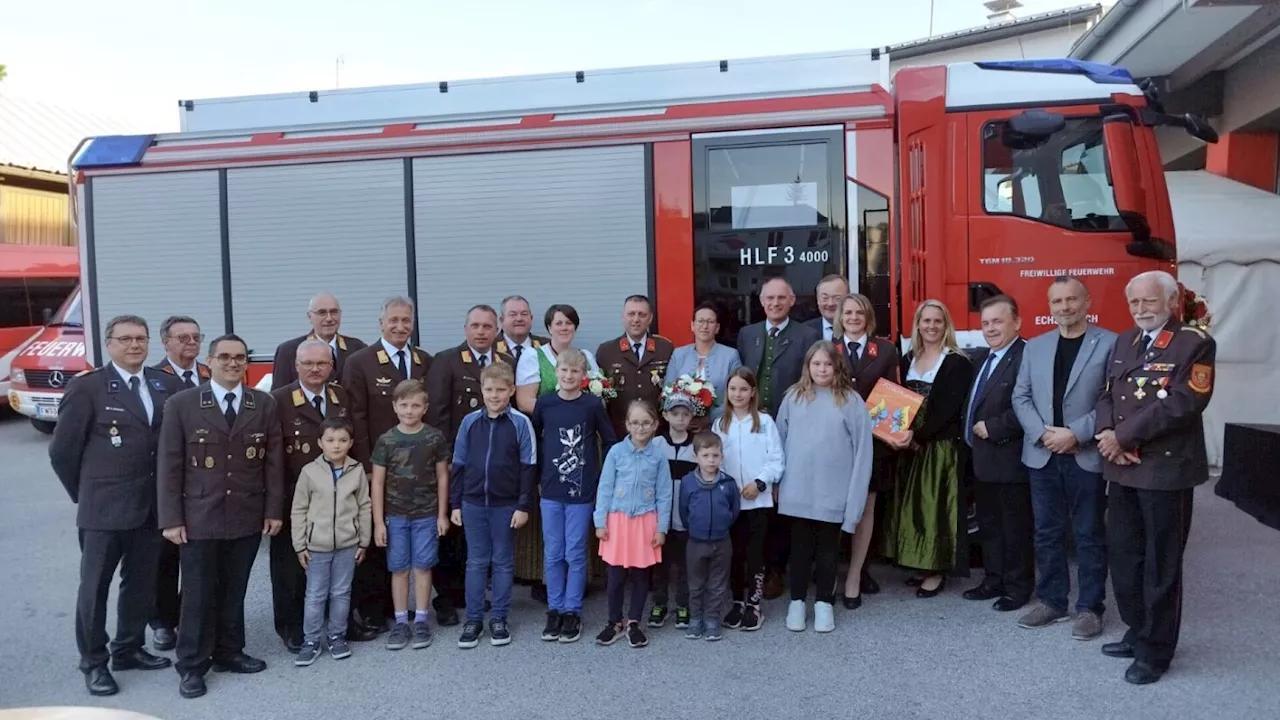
{"x": 536, "y": 374}
{"x": 705, "y": 358}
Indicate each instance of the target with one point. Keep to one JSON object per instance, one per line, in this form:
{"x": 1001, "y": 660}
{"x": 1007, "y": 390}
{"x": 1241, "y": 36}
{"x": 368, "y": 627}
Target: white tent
{"x": 1229, "y": 251}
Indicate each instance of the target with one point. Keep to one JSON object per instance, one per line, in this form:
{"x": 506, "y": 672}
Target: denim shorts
{"x": 411, "y": 543}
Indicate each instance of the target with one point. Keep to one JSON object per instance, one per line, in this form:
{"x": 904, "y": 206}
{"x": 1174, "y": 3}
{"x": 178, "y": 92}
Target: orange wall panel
{"x": 673, "y": 238}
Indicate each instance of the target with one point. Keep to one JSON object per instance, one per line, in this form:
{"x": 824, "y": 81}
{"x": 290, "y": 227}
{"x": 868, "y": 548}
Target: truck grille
{"x": 52, "y": 379}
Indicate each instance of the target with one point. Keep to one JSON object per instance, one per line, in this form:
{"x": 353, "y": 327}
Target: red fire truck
{"x": 687, "y": 183}
{"x": 34, "y": 281}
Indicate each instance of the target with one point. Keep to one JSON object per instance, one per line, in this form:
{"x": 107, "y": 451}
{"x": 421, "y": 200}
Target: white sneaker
{"x": 796, "y": 616}
{"x": 824, "y": 617}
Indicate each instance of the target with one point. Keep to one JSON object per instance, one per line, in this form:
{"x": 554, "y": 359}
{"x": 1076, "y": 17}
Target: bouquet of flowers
{"x": 1194, "y": 308}
{"x": 701, "y": 393}
{"x": 598, "y": 384}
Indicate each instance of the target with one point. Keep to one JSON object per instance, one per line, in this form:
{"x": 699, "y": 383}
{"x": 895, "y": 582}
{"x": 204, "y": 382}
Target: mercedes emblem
{"x": 56, "y": 378}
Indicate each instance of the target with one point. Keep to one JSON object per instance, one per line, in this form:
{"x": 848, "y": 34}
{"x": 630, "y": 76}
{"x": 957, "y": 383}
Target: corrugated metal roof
{"x": 41, "y": 136}
{"x": 1053, "y": 19}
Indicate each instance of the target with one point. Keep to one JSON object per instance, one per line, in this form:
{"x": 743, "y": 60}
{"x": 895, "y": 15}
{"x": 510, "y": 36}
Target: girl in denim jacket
{"x": 633, "y": 512}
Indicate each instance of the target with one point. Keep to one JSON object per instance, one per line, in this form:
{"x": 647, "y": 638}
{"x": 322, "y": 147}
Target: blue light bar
{"x": 113, "y": 151}
{"x": 1097, "y": 72}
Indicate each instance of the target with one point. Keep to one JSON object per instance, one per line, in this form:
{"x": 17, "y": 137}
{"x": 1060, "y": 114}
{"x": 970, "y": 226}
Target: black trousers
{"x": 215, "y": 576}
{"x": 1146, "y": 535}
{"x": 136, "y": 553}
{"x": 618, "y": 577}
{"x": 371, "y": 588}
{"x": 777, "y": 544}
{"x": 815, "y": 552}
{"x": 288, "y": 584}
{"x": 168, "y": 601}
{"x": 1007, "y": 530}
{"x": 746, "y": 571}
{"x": 449, "y": 576}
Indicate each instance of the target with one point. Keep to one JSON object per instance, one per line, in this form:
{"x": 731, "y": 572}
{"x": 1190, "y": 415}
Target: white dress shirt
{"x": 476, "y": 355}
{"x": 180, "y": 371}
{"x": 768, "y": 325}
{"x": 860, "y": 345}
{"x": 643, "y": 341}
{"x": 311, "y": 399}
{"x": 827, "y": 329}
{"x": 391, "y": 353}
{"x": 220, "y": 396}
{"x": 144, "y": 390}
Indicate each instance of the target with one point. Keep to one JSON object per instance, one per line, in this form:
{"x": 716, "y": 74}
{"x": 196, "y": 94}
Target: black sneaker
{"x": 682, "y": 617}
{"x": 552, "y": 631}
{"x": 570, "y": 627}
{"x": 612, "y": 633}
{"x": 635, "y": 636}
{"x": 471, "y": 633}
{"x": 498, "y": 633}
{"x": 658, "y": 616}
{"x": 734, "y": 619}
{"x": 752, "y": 618}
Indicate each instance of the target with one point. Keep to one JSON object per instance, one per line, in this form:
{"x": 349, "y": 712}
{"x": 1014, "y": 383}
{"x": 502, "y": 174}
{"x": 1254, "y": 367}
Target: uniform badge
{"x": 474, "y": 402}
{"x": 208, "y": 462}
{"x": 536, "y": 344}
{"x": 298, "y": 399}
{"x": 1162, "y": 340}
{"x": 1158, "y": 367}
{"x": 650, "y": 345}
{"x": 382, "y": 381}
{"x": 114, "y": 430}
{"x": 382, "y": 357}
{"x": 203, "y": 371}
{"x": 872, "y": 349}
{"x": 251, "y": 452}
{"x": 502, "y": 347}
{"x": 333, "y": 396}
{"x": 306, "y": 447}
{"x": 1140, "y": 393}
{"x": 623, "y": 345}
{"x": 417, "y": 359}
{"x": 655, "y": 377}
{"x": 115, "y": 440}
{"x": 288, "y": 449}
{"x": 195, "y": 463}
{"x": 342, "y": 343}
{"x": 1201, "y": 378}
{"x": 466, "y": 356}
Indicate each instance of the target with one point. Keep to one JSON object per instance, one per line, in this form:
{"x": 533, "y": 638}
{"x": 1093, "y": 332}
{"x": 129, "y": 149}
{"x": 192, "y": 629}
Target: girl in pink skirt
{"x": 633, "y": 511}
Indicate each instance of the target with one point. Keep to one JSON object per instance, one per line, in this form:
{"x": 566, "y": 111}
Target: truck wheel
{"x": 43, "y": 426}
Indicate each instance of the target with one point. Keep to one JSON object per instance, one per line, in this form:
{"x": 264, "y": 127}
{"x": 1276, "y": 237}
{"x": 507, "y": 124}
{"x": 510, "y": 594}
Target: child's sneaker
{"x": 635, "y": 636}
{"x": 421, "y": 635}
{"x": 824, "y": 618}
{"x": 399, "y": 637}
{"x": 552, "y": 630}
{"x": 693, "y": 631}
{"x": 612, "y": 632}
{"x": 338, "y": 648}
{"x": 307, "y": 654}
{"x": 752, "y": 618}
{"x": 570, "y": 627}
{"x": 658, "y": 616}
{"x": 471, "y": 633}
{"x": 797, "y": 616}
{"x": 682, "y": 618}
{"x": 498, "y": 633}
{"x": 712, "y": 632}
{"x": 734, "y": 619}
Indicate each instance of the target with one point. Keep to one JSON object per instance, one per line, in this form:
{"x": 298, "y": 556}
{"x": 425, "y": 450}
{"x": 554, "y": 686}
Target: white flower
{"x": 596, "y": 387}
{"x": 695, "y": 388}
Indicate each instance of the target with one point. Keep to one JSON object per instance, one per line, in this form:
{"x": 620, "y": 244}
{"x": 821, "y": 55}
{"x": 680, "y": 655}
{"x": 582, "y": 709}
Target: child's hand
{"x": 304, "y": 558}
{"x": 602, "y": 533}
{"x": 359, "y": 555}
{"x": 658, "y": 539}
{"x": 518, "y": 519}
{"x": 456, "y": 517}
{"x": 380, "y": 534}
{"x": 750, "y": 491}
{"x": 442, "y": 525}
{"x": 775, "y": 495}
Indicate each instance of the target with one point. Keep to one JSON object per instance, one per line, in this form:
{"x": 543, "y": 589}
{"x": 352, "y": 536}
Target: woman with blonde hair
{"x": 923, "y": 525}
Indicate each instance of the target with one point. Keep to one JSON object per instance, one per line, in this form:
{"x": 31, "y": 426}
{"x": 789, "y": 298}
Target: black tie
{"x": 404, "y": 371}
{"x": 318, "y": 403}
{"x": 1146, "y": 342}
{"x": 230, "y": 414}
{"x": 773, "y": 332}
{"x": 517, "y": 349}
{"x": 977, "y": 395}
{"x": 186, "y": 378}
{"x": 134, "y": 385}
{"x": 635, "y": 350}
{"x": 483, "y": 360}
{"x": 853, "y": 351}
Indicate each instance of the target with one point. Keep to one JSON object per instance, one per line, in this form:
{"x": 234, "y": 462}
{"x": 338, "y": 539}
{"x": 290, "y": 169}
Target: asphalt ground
{"x": 896, "y": 657}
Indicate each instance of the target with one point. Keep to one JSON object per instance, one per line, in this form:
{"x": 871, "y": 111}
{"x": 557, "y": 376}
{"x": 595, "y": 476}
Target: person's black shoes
{"x": 551, "y": 632}
{"x": 1120, "y": 649}
{"x": 139, "y": 660}
{"x": 164, "y": 639}
{"x": 447, "y": 617}
{"x": 100, "y": 683}
{"x": 869, "y": 584}
{"x": 570, "y": 627}
{"x": 241, "y": 664}
{"x": 1140, "y": 673}
{"x": 1008, "y": 604}
{"x": 192, "y": 685}
{"x": 982, "y": 592}
{"x": 471, "y": 633}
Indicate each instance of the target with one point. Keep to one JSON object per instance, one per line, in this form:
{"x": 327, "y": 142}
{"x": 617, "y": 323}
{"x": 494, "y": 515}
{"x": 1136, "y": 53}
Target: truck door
{"x": 766, "y": 204}
{"x": 1043, "y": 209}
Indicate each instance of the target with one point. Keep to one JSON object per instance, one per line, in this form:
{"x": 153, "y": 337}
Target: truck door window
{"x": 1062, "y": 181}
{"x": 768, "y": 186}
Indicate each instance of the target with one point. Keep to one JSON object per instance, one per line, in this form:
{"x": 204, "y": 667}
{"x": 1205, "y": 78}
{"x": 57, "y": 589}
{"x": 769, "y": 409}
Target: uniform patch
{"x": 872, "y": 349}
{"x": 466, "y": 356}
{"x": 298, "y": 399}
{"x": 1201, "y": 378}
{"x": 382, "y": 357}
{"x": 1162, "y": 340}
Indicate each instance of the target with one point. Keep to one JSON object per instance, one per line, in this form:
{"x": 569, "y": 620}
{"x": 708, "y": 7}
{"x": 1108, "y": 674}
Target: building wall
{"x": 1045, "y": 44}
{"x": 30, "y": 216}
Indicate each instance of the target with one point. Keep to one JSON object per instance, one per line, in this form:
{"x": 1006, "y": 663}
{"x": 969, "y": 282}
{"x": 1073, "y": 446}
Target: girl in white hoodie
{"x": 752, "y": 457}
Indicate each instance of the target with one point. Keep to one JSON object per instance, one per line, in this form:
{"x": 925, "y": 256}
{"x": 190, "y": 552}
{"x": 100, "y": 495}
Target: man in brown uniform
{"x": 302, "y": 406}
{"x": 1151, "y": 432}
{"x": 325, "y": 315}
{"x": 514, "y": 338}
{"x": 636, "y": 361}
{"x": 220, "y": 486}
{"x": 370, "y": 377}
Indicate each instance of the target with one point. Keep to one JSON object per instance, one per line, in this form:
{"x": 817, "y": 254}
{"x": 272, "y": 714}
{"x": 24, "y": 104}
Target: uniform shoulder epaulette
{"x": 1196, "y": 330}
{"x": 86, "y": 372}
{"x": 334, "y": 383}
{"x": 661, "y": 337}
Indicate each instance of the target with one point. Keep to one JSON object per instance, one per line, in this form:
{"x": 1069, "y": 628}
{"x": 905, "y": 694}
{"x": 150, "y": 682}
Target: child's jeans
{"x": 412, "y": 542}
{"x": 328, "y": 579}
{"x": 673, "y": 568}
{"x": 708, "y": 579}
{"x": 490, "y": 543}
{"x": 565, "y": 530}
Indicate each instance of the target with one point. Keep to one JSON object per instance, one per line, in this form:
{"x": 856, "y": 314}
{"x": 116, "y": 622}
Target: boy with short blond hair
{"x": 709, "y": 504}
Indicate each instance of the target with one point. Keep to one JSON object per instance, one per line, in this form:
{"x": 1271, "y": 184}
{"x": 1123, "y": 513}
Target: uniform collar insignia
{"x": 382, "y": 358}
{"x": 342, "y": 343}
{"x": 650, "y": 345}
{"x": 157, "y": 386}
{"x": 206, "y": 398}
{"x": 466, "y": 356}
{"x": 623, "y": 345}
{"x": 298, "y": 399}
{"x": 872, "y": 350}
{"x": 203, "y": 370}
{"x": 536, "y": 345}
{"x": 417, "y": 360}
{"x": 333, "y": 396}
{"x": 502, "y": 347}
{"x": 1162, "y": 340}
{"x": 113, "y": 386}
{"x": 168, "y": 367}
{"x": 247, "y": 401}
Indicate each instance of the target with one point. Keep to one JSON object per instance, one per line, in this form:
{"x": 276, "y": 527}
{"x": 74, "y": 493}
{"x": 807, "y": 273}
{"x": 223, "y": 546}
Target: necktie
{"x": 517, "y": 349}
{"x": 635, "y": 350}
{"x": 230, "y": 413}
{"x": 404, "y": 371}
{"x": 482, "y": 360}
{"x": 1146, "y": 342}
{"x": 319, "y": 405}
{"x": 977, "y": 393}
{"x": 186, "y": 378}
{"x": 773, "y": 332}
{"x": 136, "y": 386}
{"x": 852, "y": 348}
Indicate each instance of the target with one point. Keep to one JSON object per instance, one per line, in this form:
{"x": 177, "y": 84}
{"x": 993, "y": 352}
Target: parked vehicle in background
{"x": 44, "y": 366}
{"x": 35, "y": 280}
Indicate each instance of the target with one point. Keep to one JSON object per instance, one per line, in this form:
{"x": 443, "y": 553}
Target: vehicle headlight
{"x": 18, "y": 376}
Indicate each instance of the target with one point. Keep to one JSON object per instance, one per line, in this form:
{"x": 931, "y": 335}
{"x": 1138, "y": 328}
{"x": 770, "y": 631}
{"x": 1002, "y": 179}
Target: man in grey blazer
{"x": 1062, "y": 374}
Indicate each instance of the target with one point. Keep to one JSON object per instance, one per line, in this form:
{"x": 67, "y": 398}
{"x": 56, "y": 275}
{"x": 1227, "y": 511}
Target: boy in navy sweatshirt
{"x": 491, "y": 493}
{"x": 709, "y": 503}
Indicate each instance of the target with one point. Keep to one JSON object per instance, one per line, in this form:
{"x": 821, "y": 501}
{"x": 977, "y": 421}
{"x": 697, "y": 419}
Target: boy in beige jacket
{"x": 332, "y": 525}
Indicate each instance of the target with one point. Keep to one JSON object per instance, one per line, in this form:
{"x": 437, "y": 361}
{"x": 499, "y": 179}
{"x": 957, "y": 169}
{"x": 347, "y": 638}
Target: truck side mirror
{"x": 1123, "y": 165}
{"x": 46, "y": 316}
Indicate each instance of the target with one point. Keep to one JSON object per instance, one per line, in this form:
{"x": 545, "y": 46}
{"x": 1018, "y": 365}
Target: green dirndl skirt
{"x": 922, "y": 523}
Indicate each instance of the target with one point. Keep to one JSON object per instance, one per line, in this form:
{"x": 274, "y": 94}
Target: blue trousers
{"x": 1061, "y": 493}
{"x": 490, "y": 544}
{"x": 565, "y": 530}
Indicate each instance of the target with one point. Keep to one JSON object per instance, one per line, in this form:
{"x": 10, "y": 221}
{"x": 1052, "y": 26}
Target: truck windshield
{"x": 1063, "y": 181}
{"x": 71, "y": 315}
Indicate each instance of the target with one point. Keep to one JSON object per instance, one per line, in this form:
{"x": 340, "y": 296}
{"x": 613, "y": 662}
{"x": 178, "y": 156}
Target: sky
{"x": 133, "y": 60}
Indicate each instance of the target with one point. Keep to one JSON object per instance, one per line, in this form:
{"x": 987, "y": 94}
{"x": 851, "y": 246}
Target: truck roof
{"x": 39, "y": 261}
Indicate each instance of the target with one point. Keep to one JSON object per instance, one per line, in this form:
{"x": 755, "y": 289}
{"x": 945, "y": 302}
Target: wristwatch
{"x": 760, "y": 485}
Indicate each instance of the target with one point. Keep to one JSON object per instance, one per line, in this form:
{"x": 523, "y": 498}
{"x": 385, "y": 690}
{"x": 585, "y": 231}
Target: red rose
{"x": 586, "y": 383}
{"x": 704, "y": 397}
{"x": 1199, "y": 312}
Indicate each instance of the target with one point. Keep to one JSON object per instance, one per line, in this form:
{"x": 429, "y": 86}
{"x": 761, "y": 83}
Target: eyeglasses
{"x": 320, "y": 365}
{"x": 131, "y": 339}
{"x": 188, "y": 339}
{"x": 705, "y": 323}
{"x": 640, "y": 423}
{"x": 326, "y": 313}
{"x": 231, "y": 359}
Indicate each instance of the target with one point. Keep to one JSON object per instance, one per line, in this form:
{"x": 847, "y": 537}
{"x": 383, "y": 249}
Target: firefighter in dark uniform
{"x": 1151, "y": 432}
{"x": 302, "y": 406}
{"x": 325, "y": 315}
{"x": 103, "y": 451}
{"x": 220, "y": 488}
{"x": 370, "y": 377}
{"x": 181, "y": 338}
{"x": 636, "y": 362}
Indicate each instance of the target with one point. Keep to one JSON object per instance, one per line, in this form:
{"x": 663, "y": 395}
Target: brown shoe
{"x": 1042, "y": 616}
{"x": 773, "y": 586}
{"x": 1088, "y": 625}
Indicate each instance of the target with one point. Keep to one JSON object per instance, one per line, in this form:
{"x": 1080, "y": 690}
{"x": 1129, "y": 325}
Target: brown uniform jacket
{"x": 220, "y": 482}
{"x": 201, "y": 369}
{"x": 300, "y": 426}
{"x": 453, "y": 387}
{"x": 502, "y": 345}
{"x": 284, "y": 369}
{"x": 370, "y": 378}
{"x": 879, "y": 360}
{"x": 1167, "y": 432}
{"x": 634, "y": 380}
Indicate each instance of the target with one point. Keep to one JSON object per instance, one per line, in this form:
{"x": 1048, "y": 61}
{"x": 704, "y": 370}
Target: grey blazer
{"x": 788, "y": 354}
{"x": 1033, "y": 395}
{"x": 720, "y": 362}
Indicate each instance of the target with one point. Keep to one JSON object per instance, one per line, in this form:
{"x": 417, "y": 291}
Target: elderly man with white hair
{"x": 1150, "y": 431}
{"x": 325, "y": 315}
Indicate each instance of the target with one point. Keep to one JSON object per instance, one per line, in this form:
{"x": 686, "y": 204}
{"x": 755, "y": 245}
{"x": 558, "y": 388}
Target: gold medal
{"x": 251, "y": 452}
{"x": 208, "y": 462}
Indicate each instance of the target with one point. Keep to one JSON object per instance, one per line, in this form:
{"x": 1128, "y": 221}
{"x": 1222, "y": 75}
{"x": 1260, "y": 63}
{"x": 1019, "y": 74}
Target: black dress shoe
{"x": 359, "y": 632}
{"x": 100, "y": 683}
{"x": 240, "y": 663}
{"x": 447, "y": 617}
{"x": 292, "y": 641}
{"x": 1140, "y": 673}
{"x": 192, "y": 685}
{"x": 915, "y": 580}
{"x": 869, "y": 584}
{"x": 922, "y": 593}
{"x": 852, "y": 603}
{"x": 164, "y": 639}
{"x": 1120, "y": 649}
{"x": 1008, "y": 604}
{"x": 139, "y": 660}
{"x": 982, "y": 592}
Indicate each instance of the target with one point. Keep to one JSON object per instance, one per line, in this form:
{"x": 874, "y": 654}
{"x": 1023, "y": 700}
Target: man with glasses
{"x": 220, "y": 487}
{"x": 302, "y": 406}
{"x": 325, "y": 315}
{"x": 831, "y": 291}
{"x": 181, "y": 338}
{"x": 103, "y": 451}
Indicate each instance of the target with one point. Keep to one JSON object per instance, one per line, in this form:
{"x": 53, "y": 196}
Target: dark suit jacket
{"x": 817, "y": 324}
{"x": 220, "y": 482}
{"x": 370, "y": 378}
{"x": 453, "y": 387}
{"x": 788, "y": 357}
{"x": 284, "y": 368}
{"x": 300, "y": 427}
{"x": 202, "y": 371}
{"x": 998, "y": 459}
{"x": 103, "y": 448}
{"x": 634, "y": 380}
{"x": 944, "y": 408}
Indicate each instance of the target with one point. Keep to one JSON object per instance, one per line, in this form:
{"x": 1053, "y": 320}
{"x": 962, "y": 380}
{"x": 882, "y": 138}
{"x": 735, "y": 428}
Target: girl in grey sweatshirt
{"x": 826, "y": 438}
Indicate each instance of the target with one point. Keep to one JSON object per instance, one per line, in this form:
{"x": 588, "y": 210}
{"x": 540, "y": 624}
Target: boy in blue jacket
{"x": 491, "y": 493}
{"x": 709, "y": 503}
